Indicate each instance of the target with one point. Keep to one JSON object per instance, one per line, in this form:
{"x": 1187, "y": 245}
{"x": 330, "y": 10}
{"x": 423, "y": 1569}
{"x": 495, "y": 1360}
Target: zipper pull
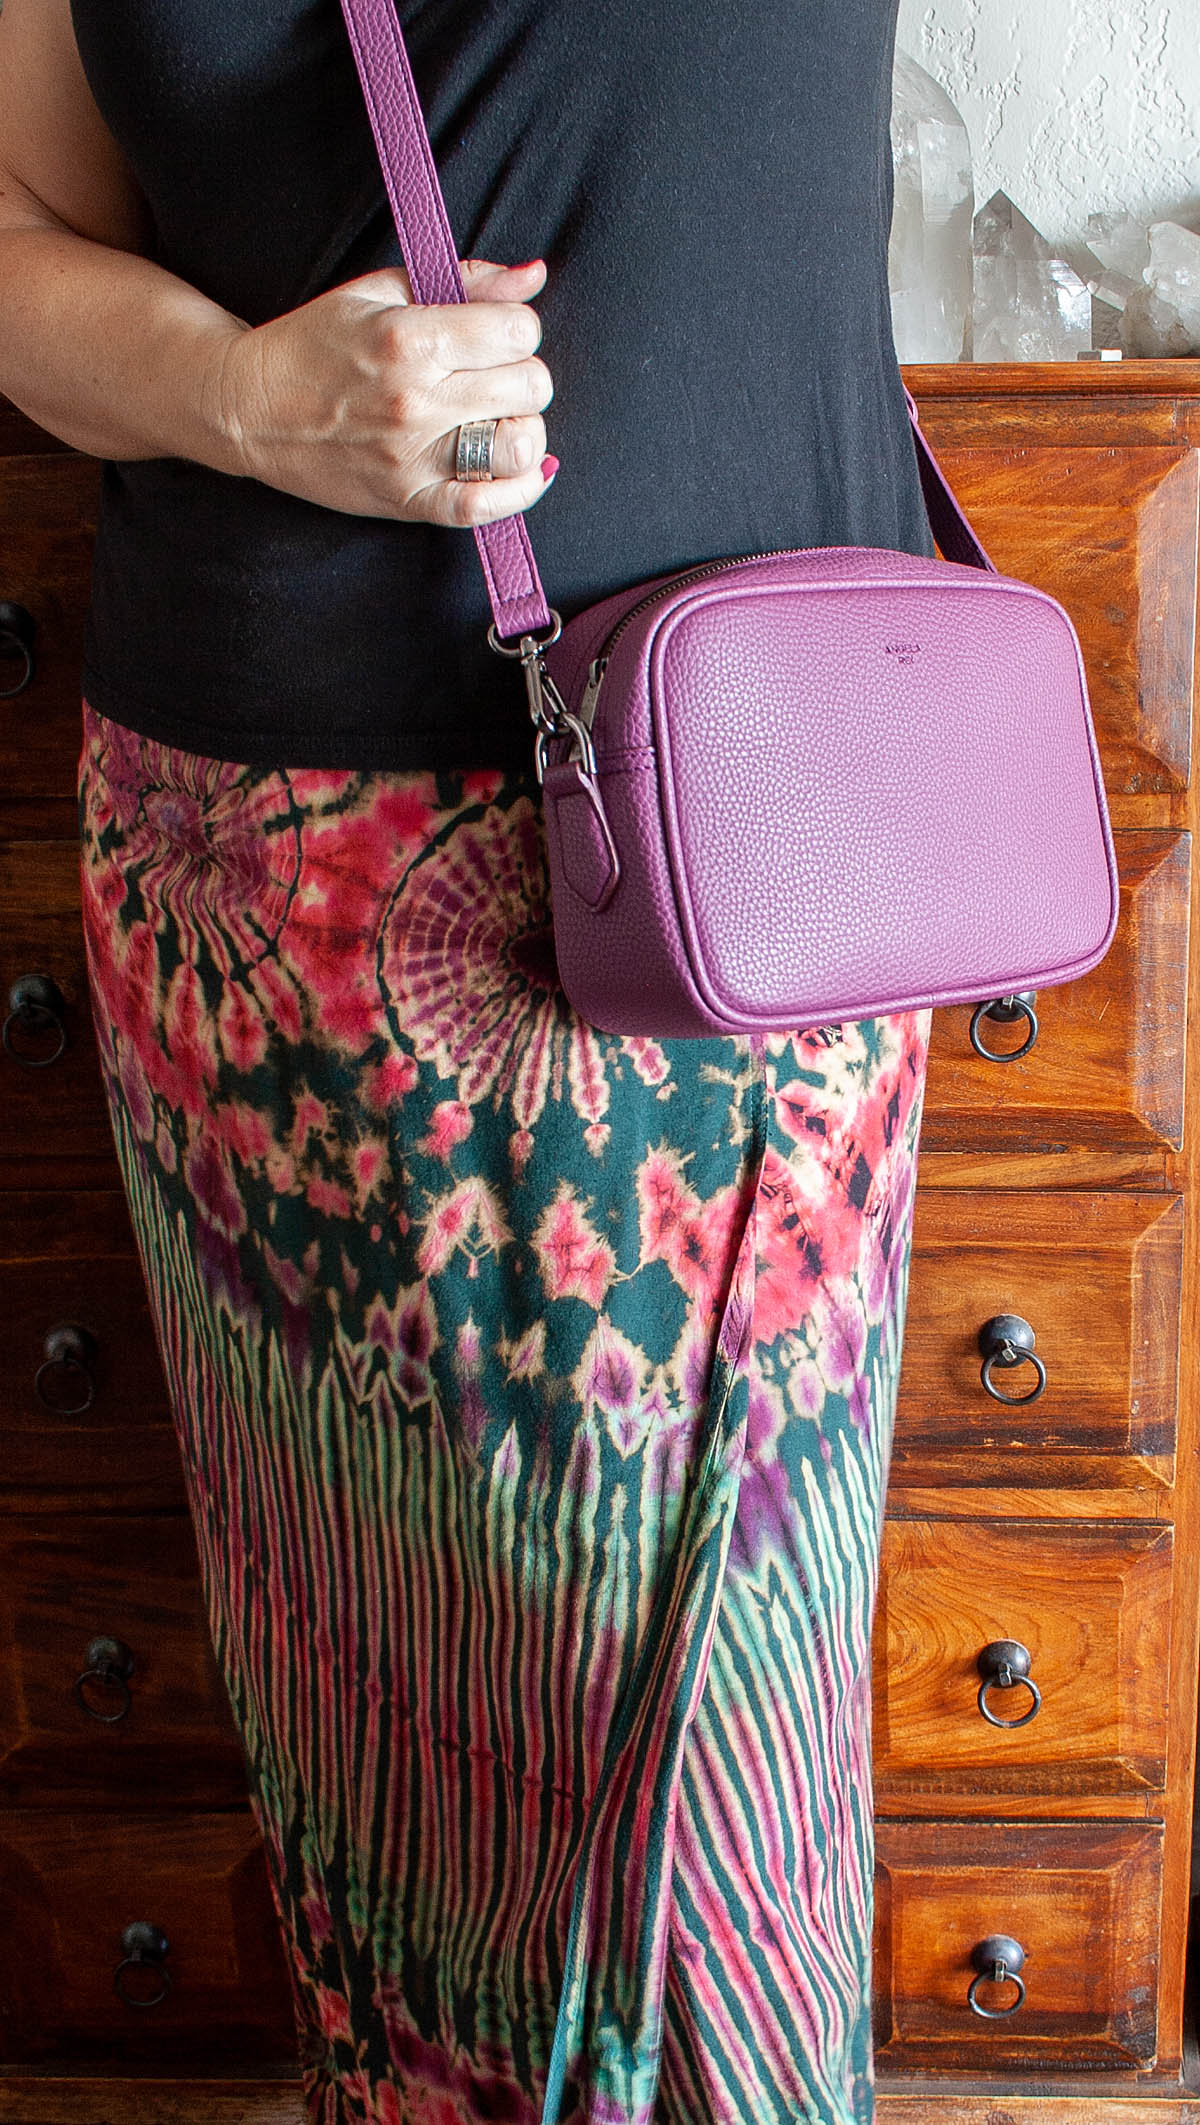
{"x": 587, "y": 706}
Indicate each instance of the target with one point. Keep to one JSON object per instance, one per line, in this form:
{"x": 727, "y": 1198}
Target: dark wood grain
{"x": 1093, "y": 1607}
{"x": 1108, "y": 1063}
{"x": 61, "y": 1108}
{"x": 136, "y": 1580}
{"x": 47, "y": 524}
{"x": 69, "y": 1885}
{"x": 1082, "y": 1899}
{"x": 70, "y": 1258}
{"x": 1098, "y": 1278}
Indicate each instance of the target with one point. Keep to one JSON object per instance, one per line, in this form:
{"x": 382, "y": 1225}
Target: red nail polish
{"x": 549, "y": 468}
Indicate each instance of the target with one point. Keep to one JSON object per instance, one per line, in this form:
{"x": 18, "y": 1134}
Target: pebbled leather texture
{"x": 842, "y": 782}
{"x": 590, "y": 865}
{"x": 830, "y": 784}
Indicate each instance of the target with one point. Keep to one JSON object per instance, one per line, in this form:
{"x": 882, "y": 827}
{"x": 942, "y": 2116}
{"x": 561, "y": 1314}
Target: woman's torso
{"x": 711, "y": 189}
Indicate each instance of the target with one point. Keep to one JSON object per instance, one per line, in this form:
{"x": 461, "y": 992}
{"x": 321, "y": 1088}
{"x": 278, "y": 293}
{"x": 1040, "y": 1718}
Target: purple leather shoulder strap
{"x": 514, "y": 586}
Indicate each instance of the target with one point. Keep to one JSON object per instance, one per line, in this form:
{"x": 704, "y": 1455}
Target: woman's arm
{"x": 352, "y": 401}
{"x": 97, "y": 344}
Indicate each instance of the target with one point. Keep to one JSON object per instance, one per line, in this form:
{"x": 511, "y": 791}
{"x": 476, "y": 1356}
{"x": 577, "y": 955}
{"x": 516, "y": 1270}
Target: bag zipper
{"x": 599, "y": 664}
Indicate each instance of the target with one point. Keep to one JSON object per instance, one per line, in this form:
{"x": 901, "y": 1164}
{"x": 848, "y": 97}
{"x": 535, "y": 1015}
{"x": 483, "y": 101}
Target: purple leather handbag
{"x": 796, "y": 788}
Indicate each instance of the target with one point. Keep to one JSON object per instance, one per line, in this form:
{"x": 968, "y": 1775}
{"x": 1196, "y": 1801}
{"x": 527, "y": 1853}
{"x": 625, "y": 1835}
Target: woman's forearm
{"x": 110, "y": 352}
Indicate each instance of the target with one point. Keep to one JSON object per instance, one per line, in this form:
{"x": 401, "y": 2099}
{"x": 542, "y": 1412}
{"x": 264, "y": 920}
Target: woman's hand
{"x": 355, "y": 399}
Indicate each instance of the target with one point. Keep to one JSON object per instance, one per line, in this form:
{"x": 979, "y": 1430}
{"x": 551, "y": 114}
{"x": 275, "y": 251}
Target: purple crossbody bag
{"x": 796, "y": 788}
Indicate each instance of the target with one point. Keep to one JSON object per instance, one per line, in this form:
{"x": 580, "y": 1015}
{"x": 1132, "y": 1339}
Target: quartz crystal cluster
{"x": 929, "y": 257}
{"x": 992, "y": 288}
{"x": 1030, "y": 306}
{"x": 1152, "y": 276}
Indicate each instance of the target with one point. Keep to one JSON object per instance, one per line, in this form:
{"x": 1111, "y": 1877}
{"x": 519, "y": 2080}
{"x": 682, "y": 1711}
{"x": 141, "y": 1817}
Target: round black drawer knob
{"x": 141, "y": 1978}
{"x": 64, "y": 1382}
{"x": 1007, "y": 1341}
{"x": 102, "y": 1691}
{"x": 1004, "y": 1011}
{"x": 35, "y": 1031}
{"x": 18, "y": 631}
{"x": 1005, "y": 1665}
{"x": 997, "y": 1961}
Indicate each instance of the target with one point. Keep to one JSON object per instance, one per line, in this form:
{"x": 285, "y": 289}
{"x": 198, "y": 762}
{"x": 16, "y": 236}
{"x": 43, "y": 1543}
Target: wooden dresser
{"x": 1063, "y": 1532}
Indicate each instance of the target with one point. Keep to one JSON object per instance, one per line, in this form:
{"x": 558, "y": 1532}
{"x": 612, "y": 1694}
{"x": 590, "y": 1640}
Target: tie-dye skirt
{"x": 534, "y": 1389}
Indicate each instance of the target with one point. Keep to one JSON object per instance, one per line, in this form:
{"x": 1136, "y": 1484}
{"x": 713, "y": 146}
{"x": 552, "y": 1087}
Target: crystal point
{"x": 1162, "y": 315}
{"x": 1029, "y": 305}
{"x": 929, "y": 256}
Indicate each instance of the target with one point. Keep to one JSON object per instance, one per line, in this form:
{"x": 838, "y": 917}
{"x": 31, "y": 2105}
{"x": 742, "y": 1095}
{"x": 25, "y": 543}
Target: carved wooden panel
{"x": 1083, "y": 1901}
{"x": 70, "y": 1259}
{"x": 47, "y": 522}
{"x": 1111, "y": 533}
{"x": 1098, "y": 1278}
{"x": 165, "y": 1739}
{"x": 1092, "y": 1606}
{"x": 1108, "y": 1064}
{"x": 71, "y": 1884}
{"x": 59, "y": 1108}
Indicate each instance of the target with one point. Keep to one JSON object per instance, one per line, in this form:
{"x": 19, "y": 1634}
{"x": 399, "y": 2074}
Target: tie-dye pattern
{"x": 534, "y": 1388}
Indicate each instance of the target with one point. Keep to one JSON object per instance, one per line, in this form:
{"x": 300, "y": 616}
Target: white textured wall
{"x": 1073, "y": 106}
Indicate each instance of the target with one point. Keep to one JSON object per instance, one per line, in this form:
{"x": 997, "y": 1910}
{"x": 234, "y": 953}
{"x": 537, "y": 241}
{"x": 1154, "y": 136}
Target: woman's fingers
{"x": 354, "y": 400}
{"x": 506, "y": 391}
{"x": 518, "y": 446}
{"x": 465, "y": 503}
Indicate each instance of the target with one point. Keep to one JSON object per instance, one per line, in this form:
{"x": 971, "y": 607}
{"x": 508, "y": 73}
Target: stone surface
{"x": 929, "y": 257}
{"x": 1162, "y": 314}
{"x": 1029, "y": 305}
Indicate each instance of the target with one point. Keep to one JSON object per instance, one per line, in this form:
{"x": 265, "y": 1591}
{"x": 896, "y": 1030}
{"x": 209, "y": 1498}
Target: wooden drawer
{"x": 1098, "y": 1278}
{"x": 57, "y": 1111}
{"x": 1111, "y": 533}
{"x": 1091, "y": 1604}
{"x": 1107, "y": 1067}
{"x": 70, "y": 1259}
{"x": 134, "y": 1580}
{"x": 47, "y": 523}
{"x": 69, "y": 1886}
{"x": 1083, "y": 1901}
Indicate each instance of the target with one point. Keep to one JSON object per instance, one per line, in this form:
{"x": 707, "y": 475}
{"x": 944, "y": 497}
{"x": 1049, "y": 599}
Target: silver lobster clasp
{"x": 582, "y": 749}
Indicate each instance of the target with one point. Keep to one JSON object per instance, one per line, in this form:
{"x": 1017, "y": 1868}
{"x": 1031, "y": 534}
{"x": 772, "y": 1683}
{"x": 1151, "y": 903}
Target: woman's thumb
{"x": 389, "y": 284}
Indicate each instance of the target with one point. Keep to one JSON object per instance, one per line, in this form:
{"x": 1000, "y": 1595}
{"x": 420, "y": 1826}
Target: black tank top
{"x": 710, "y": 185}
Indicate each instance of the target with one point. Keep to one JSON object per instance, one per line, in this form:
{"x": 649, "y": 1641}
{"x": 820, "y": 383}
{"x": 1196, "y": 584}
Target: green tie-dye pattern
{"x": 535, "y": 1389}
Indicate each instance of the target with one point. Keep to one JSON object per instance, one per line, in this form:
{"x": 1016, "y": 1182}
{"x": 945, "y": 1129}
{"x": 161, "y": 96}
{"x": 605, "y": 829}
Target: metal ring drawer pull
{"x": 997, "y": 1961}
{"x": 1004, "y": 1664}
{"x": 1003, "y": 1011}
{"x": 145, "y": 1948}
{"x": 35, "y": 1005}
{"x": 1005, "y": 1341}
{"x": 70, "y": 1353}
{"x": 109, "y": 1663}
{"x": 18, "y": 631}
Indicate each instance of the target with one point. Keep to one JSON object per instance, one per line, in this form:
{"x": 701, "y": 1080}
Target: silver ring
{"x": 473, "y": 456}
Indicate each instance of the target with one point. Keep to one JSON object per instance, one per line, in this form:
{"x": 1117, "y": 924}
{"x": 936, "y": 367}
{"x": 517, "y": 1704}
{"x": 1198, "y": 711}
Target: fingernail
{"x": 549, "y": 468}
{"x": 526, "y": 263}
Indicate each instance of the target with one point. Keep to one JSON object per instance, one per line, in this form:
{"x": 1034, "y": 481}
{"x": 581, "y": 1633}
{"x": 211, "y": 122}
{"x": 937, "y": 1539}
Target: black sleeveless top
{"x": 710, "y": 185}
